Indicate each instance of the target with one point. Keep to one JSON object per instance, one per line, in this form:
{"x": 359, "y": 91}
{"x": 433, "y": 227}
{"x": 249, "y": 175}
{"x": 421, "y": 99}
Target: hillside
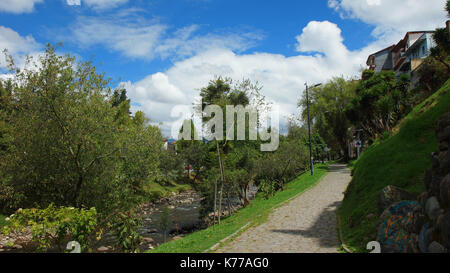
{"x": 400, "y": 160}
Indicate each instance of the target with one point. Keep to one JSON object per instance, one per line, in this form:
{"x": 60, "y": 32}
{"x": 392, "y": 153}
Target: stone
{"x": 444, "y": 134}
{"x": 424, "y": 238}
{"x": 435, "y": 185}
{"x": 370, "y": 216}
{"x": 398, "y": 227}
{"x": 443, "y": 225}
{"x": 390, "y": 195}
{"x": 436, "y": 247}
{"x": 443, "y": 145}
{"x": 428, "y": 178}
{"x": 443, "y": 122}
{"x": 103, "y": 249}
{"x": 444, "y": 162}
{"x": 445, "y": 191}
{"x": 148, "y": 240}
{"x": 435, "y": 160}
{"x": 432, "y": 208}
{"x": 422, "y": 199}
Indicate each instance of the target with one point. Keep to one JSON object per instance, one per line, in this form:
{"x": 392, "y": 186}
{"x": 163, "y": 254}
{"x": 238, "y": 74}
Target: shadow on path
{"x": 323, "y": 229}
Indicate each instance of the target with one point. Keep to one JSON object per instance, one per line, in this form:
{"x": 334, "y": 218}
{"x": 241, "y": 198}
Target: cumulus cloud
{"x": 282, "y": 77}
{"x": 392, "y": 18}
{"x": 18, "y": 6}
{"x": 17, "y": 45}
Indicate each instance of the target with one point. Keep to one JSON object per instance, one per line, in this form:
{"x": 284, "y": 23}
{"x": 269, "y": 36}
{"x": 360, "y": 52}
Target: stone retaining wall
{"x": 420, "y": 225}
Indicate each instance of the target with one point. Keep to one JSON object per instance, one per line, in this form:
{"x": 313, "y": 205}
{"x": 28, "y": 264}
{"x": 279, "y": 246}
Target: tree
{"x": 327, "y": 111}
{"x": 381, "y": 101}
{"x": 69, "y": 147}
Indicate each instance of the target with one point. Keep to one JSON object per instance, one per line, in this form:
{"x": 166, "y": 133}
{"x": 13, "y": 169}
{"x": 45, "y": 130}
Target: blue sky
{"x": 163, "y": 51}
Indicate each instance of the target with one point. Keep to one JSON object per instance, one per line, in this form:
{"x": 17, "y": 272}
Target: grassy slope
{"x": 256, "y": 213}
{"x": 400, "y": 160}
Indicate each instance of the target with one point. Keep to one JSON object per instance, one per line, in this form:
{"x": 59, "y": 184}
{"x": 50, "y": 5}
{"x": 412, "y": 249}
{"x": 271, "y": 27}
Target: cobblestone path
{"x": 307, "y": 224}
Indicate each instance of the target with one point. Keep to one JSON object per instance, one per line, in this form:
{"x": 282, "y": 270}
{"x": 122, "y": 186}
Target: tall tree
{"x": 327, "y": 110}
{"x": 68, "y": 147}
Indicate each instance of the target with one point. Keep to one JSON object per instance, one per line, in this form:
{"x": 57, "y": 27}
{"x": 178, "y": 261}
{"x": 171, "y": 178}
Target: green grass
{"x": 256, "y": 213}
{"x": 157, "y": 191}
{"x": 2, "y": 220}
{"x": 400, "y": 160}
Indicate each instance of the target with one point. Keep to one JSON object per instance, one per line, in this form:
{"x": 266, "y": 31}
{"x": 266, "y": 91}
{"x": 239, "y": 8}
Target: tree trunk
{"x": 223, "y": 178}
{"x": 215, "y": 199}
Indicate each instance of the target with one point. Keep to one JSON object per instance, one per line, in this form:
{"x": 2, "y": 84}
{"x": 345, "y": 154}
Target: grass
{"x": 256, "y": 213}
{"x": 157, "y": 191}
{"x": 400, "y": 160}
{"x": 2, "y": 220}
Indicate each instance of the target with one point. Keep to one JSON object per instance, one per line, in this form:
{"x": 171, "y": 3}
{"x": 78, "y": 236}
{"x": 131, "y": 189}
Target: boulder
{"x": 435, "y": 160}
{"x": 422, "y": 199}
{"x": 444, "y": 229}
{"x": 390, "y": 195}
{"x": 443, "y": 122}
{"x": 432, "y": 208}
{"x": 445, "y": 191}
{"x": 425, "y": 238}
{"x": 428, "y": 178}
{"x": 436, "y": 247}
{"x": 443, "y": 145}
{"x": 444, "y": 162}
{"x": 398, "y": 227}
{"x": 435, "y": 185}
{"x": 444, "y": 134}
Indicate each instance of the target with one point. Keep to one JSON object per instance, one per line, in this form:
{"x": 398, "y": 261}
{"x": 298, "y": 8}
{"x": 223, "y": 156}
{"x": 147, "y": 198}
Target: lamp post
{"x": 309, "y": 127}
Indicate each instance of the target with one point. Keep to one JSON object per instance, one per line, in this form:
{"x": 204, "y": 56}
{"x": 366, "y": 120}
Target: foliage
{"x": 73, "y": 144}
{"x": 381, "y": 101}
{"x": 400, "y": 160}
{"x": 55, "y": 226}
{"x": 327, "y": 111}
{"x": 124, "y": 226}
{"x": 433, "y": 75}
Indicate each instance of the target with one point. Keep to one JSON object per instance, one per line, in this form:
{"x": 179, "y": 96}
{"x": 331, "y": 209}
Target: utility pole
{"x": 309, "y": 128}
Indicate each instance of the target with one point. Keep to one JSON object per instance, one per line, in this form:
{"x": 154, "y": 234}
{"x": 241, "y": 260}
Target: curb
{"x": 216, "y": 246}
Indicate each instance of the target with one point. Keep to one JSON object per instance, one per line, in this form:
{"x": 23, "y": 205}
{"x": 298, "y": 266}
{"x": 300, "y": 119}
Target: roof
{"x": 387, "y": 48}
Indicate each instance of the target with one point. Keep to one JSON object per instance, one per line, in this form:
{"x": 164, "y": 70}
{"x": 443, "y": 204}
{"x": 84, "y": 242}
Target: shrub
{"x": 55, "y": 227}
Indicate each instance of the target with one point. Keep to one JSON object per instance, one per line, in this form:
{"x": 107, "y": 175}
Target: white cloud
{"x": 18, "y": 6}
{"x": 17, "y": 45}
{"x": 131, "y": 38}
{"x": 74, "y": 2}
{"x": 136, "y": 37}
{"x": 104, "y": 4}
{"x": 282, "y": 77}
{"x": 392, "y": 18}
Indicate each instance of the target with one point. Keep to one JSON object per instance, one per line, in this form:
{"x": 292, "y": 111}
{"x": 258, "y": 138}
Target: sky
{"x": 164, "y": 51}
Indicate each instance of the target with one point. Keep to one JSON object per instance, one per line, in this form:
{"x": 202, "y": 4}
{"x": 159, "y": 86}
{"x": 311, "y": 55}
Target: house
{"x": 170, "y": 144}
{"x": 381, "y": 60}
{"x": 406, "y": 56}
{"x": 410, "y": 52}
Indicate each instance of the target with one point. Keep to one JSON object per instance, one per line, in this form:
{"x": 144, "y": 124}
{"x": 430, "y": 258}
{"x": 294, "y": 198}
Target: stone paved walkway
{"x": 307, "y": 224}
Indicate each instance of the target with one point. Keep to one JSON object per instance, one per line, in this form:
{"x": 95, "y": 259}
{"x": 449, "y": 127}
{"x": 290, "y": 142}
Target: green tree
{"x": 381, "y": 101}
{"x": 327, "y": 110}
{"x": 68, "y": 146}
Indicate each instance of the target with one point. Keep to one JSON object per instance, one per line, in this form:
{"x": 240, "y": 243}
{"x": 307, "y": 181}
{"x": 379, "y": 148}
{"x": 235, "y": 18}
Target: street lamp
{"x": 309, "y": 126}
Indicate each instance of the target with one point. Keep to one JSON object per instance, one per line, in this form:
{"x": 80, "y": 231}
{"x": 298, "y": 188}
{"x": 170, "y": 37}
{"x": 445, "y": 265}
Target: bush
{"x": 55, "y": 227}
